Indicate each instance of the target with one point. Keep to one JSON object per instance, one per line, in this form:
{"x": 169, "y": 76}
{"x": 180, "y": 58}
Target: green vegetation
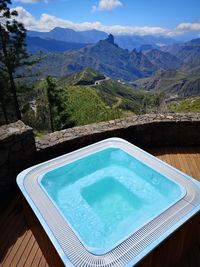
{"x": 86, "y": 77}
{"x": 136, "y": 101}
{"x": 54, "y": 104}
{"x": 188, "y": 105}
{"x": 12, "y": 51}
{"x": 59, "y": 104}
{"x": 50, "y": 88}
{"x": 85, "y": 106}
{"x": 39, "y": 133}
{"x": 15, "y": 66}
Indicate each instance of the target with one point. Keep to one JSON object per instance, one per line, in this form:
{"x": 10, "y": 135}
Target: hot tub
{"x": 108, "y": 204}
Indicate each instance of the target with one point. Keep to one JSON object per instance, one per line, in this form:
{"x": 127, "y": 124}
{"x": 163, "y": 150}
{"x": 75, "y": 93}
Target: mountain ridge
{"x": 104, "y": 56}
{"x": 92, "y": 36}
{"x": 69, "y": 35}
{"x": 35, "y": 44}
{"x": 188, "y": 53}
{"x": 163, "y": 59}
{"x": 174, "y": 83}
{"x": 150, "y": 70}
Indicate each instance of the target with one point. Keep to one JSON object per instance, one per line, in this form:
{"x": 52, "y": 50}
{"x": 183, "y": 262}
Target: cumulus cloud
{"x": 188, "y": 27}
{"x": 31, "y": 1}
{"x": 106, "y": 5}
{"x": 48, "y": 22}
{"x": 26, "y": 18}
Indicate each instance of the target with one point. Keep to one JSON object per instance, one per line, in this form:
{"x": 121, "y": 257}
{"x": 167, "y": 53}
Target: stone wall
{"x": 150, "y": 130}
{"x": 17, "y": 152}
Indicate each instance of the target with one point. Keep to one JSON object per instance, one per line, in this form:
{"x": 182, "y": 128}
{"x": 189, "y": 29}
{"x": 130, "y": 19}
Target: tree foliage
{"x": 12, "y": 48}
{"x": 50, "y": 87}
{"x": 3, "y": 96}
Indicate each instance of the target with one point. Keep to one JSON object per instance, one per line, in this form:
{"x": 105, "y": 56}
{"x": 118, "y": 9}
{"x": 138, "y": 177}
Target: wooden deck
{"x": 21, "y": 245}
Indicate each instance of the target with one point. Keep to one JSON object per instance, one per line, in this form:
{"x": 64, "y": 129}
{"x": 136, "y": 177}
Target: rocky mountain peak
{"x": 110, "y": 39}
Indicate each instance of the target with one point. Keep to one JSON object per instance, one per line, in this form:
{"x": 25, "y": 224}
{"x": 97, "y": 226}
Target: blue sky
{"x": 166, "y": 17}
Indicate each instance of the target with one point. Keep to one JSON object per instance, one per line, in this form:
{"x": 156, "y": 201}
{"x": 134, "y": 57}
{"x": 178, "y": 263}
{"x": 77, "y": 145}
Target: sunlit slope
{"x": 188, "y": 105}
{"x": 85, "y": 106}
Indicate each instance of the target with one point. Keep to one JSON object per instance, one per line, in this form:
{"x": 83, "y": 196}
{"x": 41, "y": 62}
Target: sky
{"x": 170, "y": 18}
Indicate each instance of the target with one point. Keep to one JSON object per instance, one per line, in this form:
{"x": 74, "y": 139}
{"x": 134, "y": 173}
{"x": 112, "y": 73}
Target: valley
{"x": 97, "y": 77}
{"x": 77, "y": 100}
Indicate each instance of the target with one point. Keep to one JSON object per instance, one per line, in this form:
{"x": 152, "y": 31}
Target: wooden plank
{"x": 182, "y": 166}
{"x": 167, "y": 157}
{"x": 43, "y": 262}
{"x": 46, "y": 246}
{"x": 11, "y": 233}
{"x": 31, "y": 256}
{"x": 11, "y": 222}
{"x": 9, "y": 260}
{"x": 37, "y": 258}
{"x": 193, "y": 165}
{"x": 189, "y": 164}
{"x": 21, "y": 250}
{"x": 188, "y": 161}
{"x": 10, "y": 240}
{"x": 27, "y": 249}
{"x": 184, "y": 159}
{"x": 196, "y": 161}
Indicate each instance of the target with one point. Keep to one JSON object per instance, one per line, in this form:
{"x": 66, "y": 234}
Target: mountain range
{"x": 182, "y": 81}
{"x": 35, "y": 44}
{"x": 93, "y": 36}
{"x": 113, "y": 61}
{"x": 173, "y": 68}
{"x": 69, "y": 35}
{"x": 174, "y": 83}
{"x": 188, "y": 52}
{"x": 105, "y": 56}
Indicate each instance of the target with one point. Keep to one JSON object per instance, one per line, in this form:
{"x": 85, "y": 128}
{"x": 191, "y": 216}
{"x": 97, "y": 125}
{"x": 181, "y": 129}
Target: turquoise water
{"x": 107, "y": 196}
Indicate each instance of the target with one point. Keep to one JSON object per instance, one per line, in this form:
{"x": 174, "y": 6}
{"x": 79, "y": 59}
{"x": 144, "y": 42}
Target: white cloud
{"x": 187, "y": 27}
{"x": 106, "y": 5}
{"x": 31, "y": 1}
{"x": 48, "y": 22}
{"x": 26, "y": 18}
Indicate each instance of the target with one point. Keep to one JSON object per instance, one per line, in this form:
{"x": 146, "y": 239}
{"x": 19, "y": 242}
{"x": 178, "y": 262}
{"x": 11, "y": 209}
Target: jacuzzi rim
{"x": 96, "y": 251}
{"x": 147, "y": 249}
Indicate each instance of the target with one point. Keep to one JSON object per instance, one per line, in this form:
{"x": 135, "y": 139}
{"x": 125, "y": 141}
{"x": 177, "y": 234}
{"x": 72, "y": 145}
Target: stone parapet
{"x": 149, "y": 130}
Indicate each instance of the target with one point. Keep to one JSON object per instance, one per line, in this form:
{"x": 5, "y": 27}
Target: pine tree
{"x": 12, "y": 47}
{"x": 3, "y": 96}
{"x": 50, "y": 86}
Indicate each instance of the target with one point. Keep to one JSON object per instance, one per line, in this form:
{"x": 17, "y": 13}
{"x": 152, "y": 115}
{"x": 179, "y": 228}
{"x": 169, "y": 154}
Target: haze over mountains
{"x": 93, "y": 36}
{"x": 148, "y": 62}
{"x": 181, "y": 81}
{"x": 188, "y": 52}
{"x": 69, "y": 35}
{"x": 36, "y": 44}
